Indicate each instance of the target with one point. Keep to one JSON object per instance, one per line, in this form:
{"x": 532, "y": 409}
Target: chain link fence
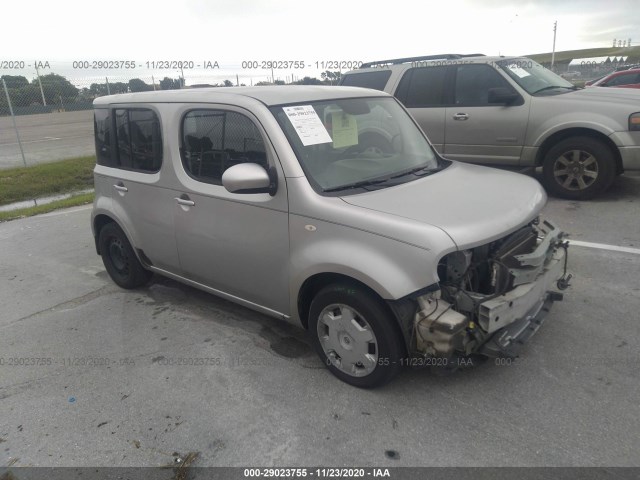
{"x": 49, "y": 117}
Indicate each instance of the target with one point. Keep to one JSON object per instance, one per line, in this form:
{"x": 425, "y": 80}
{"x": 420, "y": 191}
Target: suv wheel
{"x": 354, "y": 336}
{"x": 578, "y": 168}
{"x": 119, "y": 259}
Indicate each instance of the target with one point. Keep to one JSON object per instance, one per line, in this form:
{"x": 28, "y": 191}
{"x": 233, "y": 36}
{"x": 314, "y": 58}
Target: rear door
{"x": 130, "y": 158}
{"x": 478, "y": 131}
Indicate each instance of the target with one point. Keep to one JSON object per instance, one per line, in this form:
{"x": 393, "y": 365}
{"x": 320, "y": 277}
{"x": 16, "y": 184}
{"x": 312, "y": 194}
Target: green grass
{"x": 74, "y": 201}
{"x": 17, "y": 184}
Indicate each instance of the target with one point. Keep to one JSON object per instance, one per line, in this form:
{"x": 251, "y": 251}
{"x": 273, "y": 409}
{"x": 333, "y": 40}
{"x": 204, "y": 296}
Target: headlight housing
{"x": 634, "y": 122}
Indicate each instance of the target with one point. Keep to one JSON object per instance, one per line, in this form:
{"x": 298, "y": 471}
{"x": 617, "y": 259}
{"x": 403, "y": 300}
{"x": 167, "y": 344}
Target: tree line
{"x": 59, "y": 92}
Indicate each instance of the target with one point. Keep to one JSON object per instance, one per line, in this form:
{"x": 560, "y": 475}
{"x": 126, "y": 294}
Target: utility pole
{"x": 13, "y": 118}
{"x": 553, "y": 52}
{"x": 44, "y": 101}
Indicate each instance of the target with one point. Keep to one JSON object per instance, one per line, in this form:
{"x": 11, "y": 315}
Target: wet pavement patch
{"x": 290, "y": 347}
{"x": 392, "y": 454}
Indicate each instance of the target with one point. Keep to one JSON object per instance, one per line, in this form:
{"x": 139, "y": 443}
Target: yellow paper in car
{"x": 344, "y": 130}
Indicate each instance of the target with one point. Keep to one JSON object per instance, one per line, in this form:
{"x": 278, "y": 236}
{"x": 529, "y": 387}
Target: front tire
{"x": 119, "y": 259}
{"x": 578, "y": 168}
{"x": 355, "y": 335}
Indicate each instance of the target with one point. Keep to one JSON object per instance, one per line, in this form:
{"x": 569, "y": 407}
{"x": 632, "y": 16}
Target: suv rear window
{"x": 376, "y": 80}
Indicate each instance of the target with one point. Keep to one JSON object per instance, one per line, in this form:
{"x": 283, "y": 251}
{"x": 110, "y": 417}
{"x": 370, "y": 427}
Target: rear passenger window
{"x": 102, "y": 134}
{"x": 423, "y": 87}
{"x": 138, "y": 140}
{"x": 376, "y": 80}
{"x": 214, "y": 140}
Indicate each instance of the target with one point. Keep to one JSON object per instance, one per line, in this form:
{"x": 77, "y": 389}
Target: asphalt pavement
{"x": 93, "y": 375}
{"x": 46, "y": 137}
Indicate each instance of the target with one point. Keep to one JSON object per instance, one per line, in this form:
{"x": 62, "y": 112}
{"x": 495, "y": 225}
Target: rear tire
{"x": 119, "y": 259}
{"x": 578, "y": 168}
{"x": 355, "y": 336}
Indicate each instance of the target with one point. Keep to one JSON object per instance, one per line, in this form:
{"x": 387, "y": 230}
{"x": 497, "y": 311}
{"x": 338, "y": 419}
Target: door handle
{"x": 185, "y": 201}
{"x": 120, "y": 187}
{"x": 461, "y": 116}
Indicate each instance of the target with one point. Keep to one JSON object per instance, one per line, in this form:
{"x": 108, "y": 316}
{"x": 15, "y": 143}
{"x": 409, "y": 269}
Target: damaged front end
{"x": 491, "y": 299}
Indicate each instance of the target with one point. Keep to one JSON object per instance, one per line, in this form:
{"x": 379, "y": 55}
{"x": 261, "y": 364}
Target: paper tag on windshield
{"x": 519, "y": 71}
{"x": 344, "y": 130}
{"x": 308, "y": 125}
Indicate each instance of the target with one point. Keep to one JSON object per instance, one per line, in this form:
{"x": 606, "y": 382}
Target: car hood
{"x": 605, "y": 94}
{"x": 472, "y": 204}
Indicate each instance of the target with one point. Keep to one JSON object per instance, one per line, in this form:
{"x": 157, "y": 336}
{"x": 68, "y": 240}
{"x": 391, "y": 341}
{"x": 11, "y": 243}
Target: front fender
{"x": 390, "y": 268}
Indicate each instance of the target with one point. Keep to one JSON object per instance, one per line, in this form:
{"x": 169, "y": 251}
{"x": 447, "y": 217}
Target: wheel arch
{"x": 312, "y": 285}
{"x": 99, "y": 222}
{"x": 561, "y": 135}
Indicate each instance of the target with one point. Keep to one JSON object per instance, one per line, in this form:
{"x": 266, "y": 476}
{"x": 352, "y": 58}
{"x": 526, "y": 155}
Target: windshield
{"x": 356, "y": 143}
{"x": 533, "y": 77}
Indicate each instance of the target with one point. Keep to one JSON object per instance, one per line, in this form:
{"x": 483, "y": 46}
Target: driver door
{"x": 237, "y": 244}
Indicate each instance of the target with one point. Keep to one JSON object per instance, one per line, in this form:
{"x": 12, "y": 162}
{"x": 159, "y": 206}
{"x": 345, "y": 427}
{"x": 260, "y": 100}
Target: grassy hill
{"x": 566, "y": 56}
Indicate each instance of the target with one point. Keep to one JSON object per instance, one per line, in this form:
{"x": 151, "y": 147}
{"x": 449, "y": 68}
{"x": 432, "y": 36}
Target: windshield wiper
{"x": 362, "y": 184}
{"x": 418, "y": 171}
{"x": 550, "y": 87}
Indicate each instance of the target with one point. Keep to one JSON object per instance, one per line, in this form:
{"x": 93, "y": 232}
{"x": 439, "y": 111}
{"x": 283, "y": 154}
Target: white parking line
{"x": 603, "y": 246}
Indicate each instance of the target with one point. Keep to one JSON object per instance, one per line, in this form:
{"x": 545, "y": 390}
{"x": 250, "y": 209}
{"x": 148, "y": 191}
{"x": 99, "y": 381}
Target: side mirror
{"x": 249, "y": 178}
{"x": 502, "y": 95}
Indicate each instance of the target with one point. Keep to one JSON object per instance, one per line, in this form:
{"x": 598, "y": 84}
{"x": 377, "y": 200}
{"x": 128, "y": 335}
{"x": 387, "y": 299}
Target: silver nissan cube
{"x": 327, "y": 206}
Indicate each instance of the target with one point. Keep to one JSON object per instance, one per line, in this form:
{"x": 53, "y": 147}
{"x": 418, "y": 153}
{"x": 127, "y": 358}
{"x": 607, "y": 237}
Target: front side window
{"x": 214, "y": 140}
{"x": 349, "y": 145}
{"x": 473, "y": 83}
{"x": 624, "y": 79}
{"x": 138, "y": 139}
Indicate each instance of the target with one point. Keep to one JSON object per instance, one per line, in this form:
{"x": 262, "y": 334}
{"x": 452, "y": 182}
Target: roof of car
{"x": 268, "y": 95}
{"x": 412, "y": 62}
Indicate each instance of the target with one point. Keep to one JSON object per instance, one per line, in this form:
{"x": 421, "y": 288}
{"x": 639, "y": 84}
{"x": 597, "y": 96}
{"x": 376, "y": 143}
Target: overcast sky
{"x": 230, "y": 31}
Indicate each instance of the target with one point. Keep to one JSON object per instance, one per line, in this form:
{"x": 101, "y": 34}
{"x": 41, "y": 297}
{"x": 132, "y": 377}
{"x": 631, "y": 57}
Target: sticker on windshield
{"x": 344, "y": 130}
{"x": 308, "y": 125}
{"x": 519, "y": 71}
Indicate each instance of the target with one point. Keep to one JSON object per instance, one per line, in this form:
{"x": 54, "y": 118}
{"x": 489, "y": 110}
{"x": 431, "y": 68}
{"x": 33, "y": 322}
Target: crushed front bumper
{"x": 508, "y": 340}
{"x": 501, "y": 324}
{"x": 513, "y": 318}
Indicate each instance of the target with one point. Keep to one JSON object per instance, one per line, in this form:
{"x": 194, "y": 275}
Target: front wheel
{"x": 578, "y": 168}
{"x": 355, "y": 336}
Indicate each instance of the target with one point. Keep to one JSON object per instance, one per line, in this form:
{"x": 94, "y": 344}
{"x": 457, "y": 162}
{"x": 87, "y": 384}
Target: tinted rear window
{"x": 376, "y": 80}
{"x": 423, "y": 87}
{"x": 102, "y": 133}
